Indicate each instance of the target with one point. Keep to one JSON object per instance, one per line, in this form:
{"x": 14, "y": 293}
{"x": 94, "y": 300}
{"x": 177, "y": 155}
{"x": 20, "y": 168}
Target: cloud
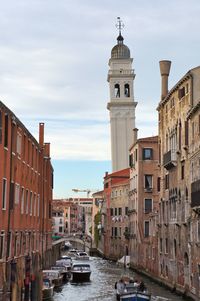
{"x": 54, "y": 64}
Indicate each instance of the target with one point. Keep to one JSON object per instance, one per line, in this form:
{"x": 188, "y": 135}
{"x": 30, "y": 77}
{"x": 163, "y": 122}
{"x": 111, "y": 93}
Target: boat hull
{"x": 136, "y": 296}
{"x": 80, "y": 276}
{"x": 47, "y": 293}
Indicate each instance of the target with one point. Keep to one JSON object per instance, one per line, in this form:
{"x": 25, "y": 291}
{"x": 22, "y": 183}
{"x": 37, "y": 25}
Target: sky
{"x": 54, "y": 64}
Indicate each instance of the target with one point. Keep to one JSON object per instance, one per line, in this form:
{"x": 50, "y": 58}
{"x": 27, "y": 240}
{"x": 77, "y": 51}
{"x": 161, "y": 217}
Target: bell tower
{"x": 121, "y": 105}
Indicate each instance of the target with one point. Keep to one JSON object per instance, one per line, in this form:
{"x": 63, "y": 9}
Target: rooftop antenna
{"x": 119, "y": 25}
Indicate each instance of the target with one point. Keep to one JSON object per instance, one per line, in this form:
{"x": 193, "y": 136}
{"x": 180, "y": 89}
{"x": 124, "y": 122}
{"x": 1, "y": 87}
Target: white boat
{"x": 64, "y": 266}
{"x": 80, "y": 272}
{"x": 82, "y": 255}
{"x": 53, "y": 275}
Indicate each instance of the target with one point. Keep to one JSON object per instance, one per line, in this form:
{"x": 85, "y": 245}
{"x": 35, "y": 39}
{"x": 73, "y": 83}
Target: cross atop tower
{"x": 119, "y": 25}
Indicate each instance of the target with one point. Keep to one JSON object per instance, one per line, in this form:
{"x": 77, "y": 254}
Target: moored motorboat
{"x": 47, "y": 289}
{"x": 64, "y": 266}
{"x": 82, "y": 255}
{"x": 80, "y": 272}
{"x": 130, "y": 290}
{"x": 55, "y": 276}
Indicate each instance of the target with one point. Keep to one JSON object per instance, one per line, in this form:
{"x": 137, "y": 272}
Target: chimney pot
{"x": 164, "y": 71}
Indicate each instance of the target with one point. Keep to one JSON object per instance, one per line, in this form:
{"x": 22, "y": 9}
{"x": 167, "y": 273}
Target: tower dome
{"x": 120, "y": 51}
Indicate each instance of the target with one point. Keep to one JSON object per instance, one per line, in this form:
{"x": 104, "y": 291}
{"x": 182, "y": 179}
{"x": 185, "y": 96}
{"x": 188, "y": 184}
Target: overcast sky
{"x": 54, "y": 63}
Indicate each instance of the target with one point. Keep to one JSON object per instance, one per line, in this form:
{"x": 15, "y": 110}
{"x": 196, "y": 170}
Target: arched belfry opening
{"x": 126, "y": 90}
{"x": 117, "y": 90}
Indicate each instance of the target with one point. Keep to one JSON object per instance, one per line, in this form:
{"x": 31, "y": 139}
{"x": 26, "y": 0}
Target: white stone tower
{"x": 121, "y": 105}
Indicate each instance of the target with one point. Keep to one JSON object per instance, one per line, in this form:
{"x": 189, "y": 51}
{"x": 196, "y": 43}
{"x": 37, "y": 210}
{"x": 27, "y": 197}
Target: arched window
{"x": 117, "y": 90}
{"x": 126, "y": 90}
{"x": 175, "y": 248}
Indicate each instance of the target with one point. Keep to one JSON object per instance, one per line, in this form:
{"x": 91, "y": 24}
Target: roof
{"x": 120, "y": 51}
{"x": 151, "y": 139}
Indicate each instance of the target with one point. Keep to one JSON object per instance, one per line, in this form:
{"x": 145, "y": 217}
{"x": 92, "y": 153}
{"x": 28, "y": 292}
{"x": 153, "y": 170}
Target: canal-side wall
{"x": 174, "y": 288}
{"x": 25, "y": 275}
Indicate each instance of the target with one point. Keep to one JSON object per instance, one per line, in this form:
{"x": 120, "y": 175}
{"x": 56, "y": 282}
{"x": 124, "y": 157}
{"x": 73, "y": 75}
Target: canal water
{"x": 101, "y": 287}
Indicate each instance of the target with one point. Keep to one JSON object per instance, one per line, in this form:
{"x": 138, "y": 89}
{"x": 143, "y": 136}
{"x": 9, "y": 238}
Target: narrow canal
{"x": 101, "y": 287}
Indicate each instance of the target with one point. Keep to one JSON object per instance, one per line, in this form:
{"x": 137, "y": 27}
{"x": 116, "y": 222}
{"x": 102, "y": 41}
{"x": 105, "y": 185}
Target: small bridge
{"x": 78, "y": 243}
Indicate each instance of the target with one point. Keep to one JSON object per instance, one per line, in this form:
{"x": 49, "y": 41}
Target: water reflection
{"x": 101, "y": 287}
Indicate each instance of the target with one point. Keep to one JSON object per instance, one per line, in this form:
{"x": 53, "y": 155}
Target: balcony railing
{"x": 195, "y": 196}
{"x": 169, "y": 159}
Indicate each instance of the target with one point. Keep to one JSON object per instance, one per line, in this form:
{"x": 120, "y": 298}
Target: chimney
{"x": 41, "y": 134}
{"x": 164, "y": 71}
{"x": 135, "y": 135}
{"x": 47, "y": 149}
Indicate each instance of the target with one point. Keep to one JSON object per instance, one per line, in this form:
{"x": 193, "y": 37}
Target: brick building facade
{"x": 143, "y": 204}
{"x": 116, "y": 189}
{"x": 26, "y": 183}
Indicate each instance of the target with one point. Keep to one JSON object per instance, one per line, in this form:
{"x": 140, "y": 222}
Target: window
{"x": 148, "y": 182}
{"x": 60, "y": 229}
{"x": 120, "y": 211}
{"x": 38, "y": 205}
{"x": 115, "y": 211}
{"x": 166, "y": 246}
{"x": 146, "y": 228}
{"x": 148, "y": 205}
{"x": 35, "y": 204}
{"x": 6, "y": 131}
{"x": 22, "y": 200}
{"x": 186, "y": 132}
{"x": 27, "y": 195}
{"x": 181, "y": 92}
{"x": 19, "y": 143}
{"x": 117, "y": 90}
{"x": 166, "y": 181}
{"x": 198, "y": 231}
{"x": 161, "y": 245}
{"x": 182, "y": 171}
{"x": 126, "y": 90}
{"x": 4, "y": 192}
{"x": 158, "y": 184}
{"x": 147, "y": 153}
{"x": 111, "y": 212}
{"x": 131, "y": 163}
{"x": 31, "y": 202}
{"x": 115, "y": 231}
{"x": 126, "y": 210}
{"x": 17, "y": 190}
{"x": 12, "y": 194}
{"x": 2, "y": 237}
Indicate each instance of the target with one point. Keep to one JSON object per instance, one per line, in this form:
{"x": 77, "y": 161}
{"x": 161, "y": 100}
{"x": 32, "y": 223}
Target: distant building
{"x": 143, "y": 204}
{"x": 116, "y": 189}
{"x": 72, "y": 215}
{"x": 97, "y": 224}
{"x": 122, "y": 104}
{"x": 26, "y": 184}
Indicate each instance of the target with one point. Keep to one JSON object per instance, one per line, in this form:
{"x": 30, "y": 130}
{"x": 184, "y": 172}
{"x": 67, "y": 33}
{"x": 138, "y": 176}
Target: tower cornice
{"x": 121, "y": 104}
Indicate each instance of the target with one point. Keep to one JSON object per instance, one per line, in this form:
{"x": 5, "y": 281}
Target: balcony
{"x": 195, "y": 195}
{"x": 169, "y": 159}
